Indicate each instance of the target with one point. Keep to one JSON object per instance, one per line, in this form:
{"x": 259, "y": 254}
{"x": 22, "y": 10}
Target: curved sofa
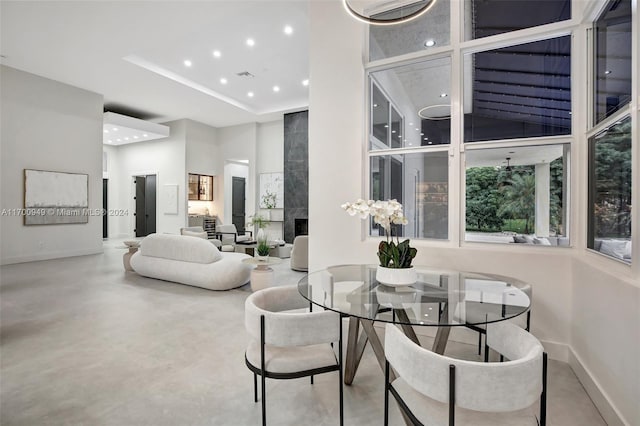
{"x": 190, "y": 260}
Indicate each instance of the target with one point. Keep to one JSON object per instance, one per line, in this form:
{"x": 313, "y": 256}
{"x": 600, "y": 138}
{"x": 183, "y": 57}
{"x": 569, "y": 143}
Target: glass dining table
{"x": 440, "y": 298}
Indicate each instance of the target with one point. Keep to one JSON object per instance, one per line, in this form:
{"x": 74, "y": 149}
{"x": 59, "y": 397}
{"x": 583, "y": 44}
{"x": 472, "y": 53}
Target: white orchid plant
{"x": 386, "y": 213}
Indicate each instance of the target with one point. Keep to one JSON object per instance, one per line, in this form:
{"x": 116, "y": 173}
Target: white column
{"x": 543, "y": 195}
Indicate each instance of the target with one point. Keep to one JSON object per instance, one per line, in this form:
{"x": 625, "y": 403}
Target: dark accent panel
{"x": 296, "y": 171}
{"x": 238, "y": 203}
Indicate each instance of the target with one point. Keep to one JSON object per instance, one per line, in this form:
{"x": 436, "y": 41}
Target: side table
{"x": 126, "y": 258}
{"x": 262, "y": 274}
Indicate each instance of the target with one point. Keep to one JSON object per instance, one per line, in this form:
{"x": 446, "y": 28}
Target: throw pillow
{"x": 613, "y": 248}
{"x": 542, "y": 241}
{"x": 202, "y": 235}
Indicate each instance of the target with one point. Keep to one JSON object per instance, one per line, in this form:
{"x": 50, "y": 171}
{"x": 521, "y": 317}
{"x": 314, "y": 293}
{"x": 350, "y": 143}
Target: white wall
{"x": 270, "y": 159}
{"x": 237, "y": 143}
{"x": 201, "y": 158}
{"x": 166, "y": 159}
{"x": 581, "y": 312}
{"x": 48, "y": 125}
{"x": 113, "y": 190}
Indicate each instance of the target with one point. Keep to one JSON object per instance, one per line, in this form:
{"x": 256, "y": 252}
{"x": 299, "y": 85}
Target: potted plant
{"x": 260, "y": 223}
{"x": 395, "y": 256}
{"x": 263, "y": 249}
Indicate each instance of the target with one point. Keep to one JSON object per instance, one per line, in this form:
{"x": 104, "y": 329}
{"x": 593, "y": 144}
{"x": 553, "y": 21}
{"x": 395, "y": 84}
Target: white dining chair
{"x": 287, "y": 343}
{"x": 433, "y": 389}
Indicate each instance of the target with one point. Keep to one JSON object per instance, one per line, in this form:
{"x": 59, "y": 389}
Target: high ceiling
{"x": 134, "y": 54}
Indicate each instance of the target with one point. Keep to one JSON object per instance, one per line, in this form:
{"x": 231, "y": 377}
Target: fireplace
{"x": 301, "y": 227}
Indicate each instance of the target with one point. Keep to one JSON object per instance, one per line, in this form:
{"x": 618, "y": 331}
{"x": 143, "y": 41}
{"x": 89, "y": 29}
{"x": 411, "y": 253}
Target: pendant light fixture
{"x": 387, "y": 12}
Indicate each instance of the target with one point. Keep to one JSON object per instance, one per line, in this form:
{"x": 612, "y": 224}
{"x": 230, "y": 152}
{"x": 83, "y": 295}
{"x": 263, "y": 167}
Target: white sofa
{"x": 190, "y": 260}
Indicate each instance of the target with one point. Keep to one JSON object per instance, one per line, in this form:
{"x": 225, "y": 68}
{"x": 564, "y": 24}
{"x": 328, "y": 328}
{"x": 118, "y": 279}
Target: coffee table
{"x": 262, "y": 274}
{"x": 250, "y": 246}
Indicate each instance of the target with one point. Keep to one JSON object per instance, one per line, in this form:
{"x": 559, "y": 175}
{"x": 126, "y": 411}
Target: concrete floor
{"x": 84, "y": 343}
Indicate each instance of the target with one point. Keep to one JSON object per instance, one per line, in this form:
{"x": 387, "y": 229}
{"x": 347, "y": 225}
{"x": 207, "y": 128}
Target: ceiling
{"x": 134, "y": 54}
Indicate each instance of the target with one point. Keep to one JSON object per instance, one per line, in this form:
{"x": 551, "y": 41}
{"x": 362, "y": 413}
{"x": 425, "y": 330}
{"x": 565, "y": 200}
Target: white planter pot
{"x": 261, "y": 235}
{"x": 396, "y": 276}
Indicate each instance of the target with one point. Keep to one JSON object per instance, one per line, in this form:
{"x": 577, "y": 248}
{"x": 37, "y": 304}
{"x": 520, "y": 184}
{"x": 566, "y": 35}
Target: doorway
{"x": 105, "y": 209}
{"x": 145, "y": 200}
{"x": 238, "y": 203}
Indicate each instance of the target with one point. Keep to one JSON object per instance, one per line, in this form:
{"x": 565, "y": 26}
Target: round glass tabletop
{"x": 438, "y": 298}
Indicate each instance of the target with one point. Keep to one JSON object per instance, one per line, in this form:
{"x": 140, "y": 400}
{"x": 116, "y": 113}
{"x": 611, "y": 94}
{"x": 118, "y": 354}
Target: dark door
{"x": 145, "y": 205}
{"x": 150, "y": 204}
{"x": 105, "y": 209}
{"x": 238, "y": 203}
{"x": 140, "y": 210}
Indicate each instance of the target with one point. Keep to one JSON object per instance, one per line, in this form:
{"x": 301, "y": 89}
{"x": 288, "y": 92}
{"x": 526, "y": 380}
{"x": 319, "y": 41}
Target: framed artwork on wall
{"x": 272, "y": 190}
{"x": 53, "y": 198}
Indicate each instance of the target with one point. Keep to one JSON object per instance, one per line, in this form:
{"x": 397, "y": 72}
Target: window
{"x": 517, "y": 195}
{"x": 520, "y": 91}
{"x": 410, "y": 105}
{"x": 612, "y": 59}
{"x": 423, "y": 33}
{"x": 420, "y": 181}
{"x": 490, "y": 17}
{"x": 610, "y": 191}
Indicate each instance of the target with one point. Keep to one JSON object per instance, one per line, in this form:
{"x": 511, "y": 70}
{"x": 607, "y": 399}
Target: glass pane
{"x": 379, "y": 116}
{"x": 396, "y": 129}
{"x": 425, "y": 32}
{"x": 613, "y": 59}
{"x": 519, "y": 91}
{"x": 419, "y": 98}
{"x": 610, "y": 191}
{"x": 517, "y": 195}
{"x": 420, "y": 182}
{"x": 490, "y": 17}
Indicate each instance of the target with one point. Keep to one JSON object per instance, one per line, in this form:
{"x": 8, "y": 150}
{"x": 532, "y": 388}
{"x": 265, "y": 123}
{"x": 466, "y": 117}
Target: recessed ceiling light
{"x": 187, "y": 63}
{"x": 135, "y": 137}
{"x": 216, "y": 54}
{"x": 126, "y": 139}
{"x": 251, "y": 42}
{"x": 276, "y": 89}
{"x": 106, "y": 131}
{"x": 393, "y": 131}
{"x": 386, "y": 125}
{"x": 145, "y": 135}
{"x": 417, "y": 130}
{"x": 430, "y": 43}
{"x": 288, "y": 30}
{"x": 607, "y": 72}
{"x": 429, "y": 142}
{"x": 118, "y": 140}
{"x": 250, "y": 94}
{"x": 305, "y": 82}
{"x": 223, "y": 80}
{"x": 110, "y": 141}
{"x": 375, "y": 105}
{"x": 410, "y": 124}
{"x": 443, "y": 95}
{"x": 421, "y": 134}
{"x": 115, "y": 129}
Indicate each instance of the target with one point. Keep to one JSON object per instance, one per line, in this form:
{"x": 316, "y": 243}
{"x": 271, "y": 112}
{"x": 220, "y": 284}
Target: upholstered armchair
{"x": 300, "y": 254}
{"x": 438, "y": 390}
{"x": 288, "y": 342}
{"x": 228, "y": 234}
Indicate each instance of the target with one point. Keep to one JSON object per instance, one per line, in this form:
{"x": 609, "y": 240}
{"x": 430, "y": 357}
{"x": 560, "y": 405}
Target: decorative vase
{"x": 395, "y": 277}
{"x": 261, "y": 236}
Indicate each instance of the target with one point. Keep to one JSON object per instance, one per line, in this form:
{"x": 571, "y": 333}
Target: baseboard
{"x": 49, "y": 256}
{"x": 607, "y": 410}
{"x": 556, "y": 351}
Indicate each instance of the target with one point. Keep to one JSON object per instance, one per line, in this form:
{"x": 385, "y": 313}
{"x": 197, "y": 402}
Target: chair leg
{"x": 386, "y": 393}
{"x": 340, "y": 376}
{"x": 255, "y": 387}
{"x": 311, "y": 379}
{"x": 486, "y": 351}
{"x": 262, "y": 372}
{"x": 479, "y": 343}
{"x": 543, "y": 397}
